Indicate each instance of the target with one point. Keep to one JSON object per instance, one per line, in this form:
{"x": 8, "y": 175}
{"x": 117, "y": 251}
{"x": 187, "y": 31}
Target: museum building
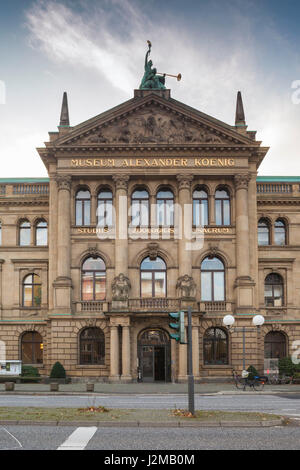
{"x": 149, "y": 208}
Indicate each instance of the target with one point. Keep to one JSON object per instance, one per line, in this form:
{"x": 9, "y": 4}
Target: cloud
{"x": 216, "y": 61}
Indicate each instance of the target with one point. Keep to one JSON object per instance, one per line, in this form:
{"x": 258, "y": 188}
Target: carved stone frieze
{"x": 152, "y": 125}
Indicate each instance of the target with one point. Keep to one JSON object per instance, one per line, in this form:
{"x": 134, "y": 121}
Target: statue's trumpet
{"x": 179, "y": 76}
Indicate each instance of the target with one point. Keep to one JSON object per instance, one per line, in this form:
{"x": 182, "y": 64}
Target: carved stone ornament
{"x": 184, "y": 181}
{"x": 153, "y": 250}
{"x": 63, "y": 182}
{"x": 213, "y": 250}
{"x": 153, "y": 125}
{"x": 91, "y": 322}
{"x": 121, "y": 181}
{"x": 241, "y": 181}
{"x": 276, "y": 326}
{"x": 186, "y": 287}
{"x": 121, "y": 287}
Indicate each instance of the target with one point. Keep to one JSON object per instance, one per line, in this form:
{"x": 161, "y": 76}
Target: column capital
{"x": 121, "y": 181}
{"x": 63, "y": 182}
{"x": 184, "y": 181}
{"x": 241, "y": 180}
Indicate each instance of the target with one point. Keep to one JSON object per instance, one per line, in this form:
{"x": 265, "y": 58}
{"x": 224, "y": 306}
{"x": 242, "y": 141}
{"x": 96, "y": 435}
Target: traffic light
{"x": 179, "y": 326}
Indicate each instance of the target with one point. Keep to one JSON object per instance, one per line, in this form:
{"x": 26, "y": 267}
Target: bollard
{"x": 9, "y": 386}
{"x": 54, "y": 387}
{"x": 90, "y": 387}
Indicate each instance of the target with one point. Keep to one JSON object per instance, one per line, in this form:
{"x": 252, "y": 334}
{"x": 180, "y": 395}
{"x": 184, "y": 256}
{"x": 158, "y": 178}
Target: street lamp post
{"x": 257, "y": 321}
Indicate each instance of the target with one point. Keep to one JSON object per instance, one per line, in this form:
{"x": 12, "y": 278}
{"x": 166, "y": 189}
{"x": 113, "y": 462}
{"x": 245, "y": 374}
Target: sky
{"x": 94, "y": 50}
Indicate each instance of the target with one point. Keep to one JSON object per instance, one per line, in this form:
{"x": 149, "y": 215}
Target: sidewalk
{"x": 146, "y": 388}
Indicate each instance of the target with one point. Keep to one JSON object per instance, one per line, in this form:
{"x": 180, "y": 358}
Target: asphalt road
{"x": 287, "y": 405}
{"x": 154, "y": 439}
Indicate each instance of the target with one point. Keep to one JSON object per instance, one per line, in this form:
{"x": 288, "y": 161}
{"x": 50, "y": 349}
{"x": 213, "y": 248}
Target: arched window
{"x": 212, "y": 280}
{"x": 105, "y": 208}
{"x": 165, "y": 208}
{"x": 140, "y": 208}
{"x": 25, "y": 233}
{"x": 153, "y": 278}
{"x": 222, "y": 207}
{"x": 41, "y": 233}
{"x": 275, "y": 345}
{"x": 93, "y": 279}
{"x": 274, "y": 290}
{"x": 32, "y": 291}
{"x": 200, "y": 207}
{"x": 92, "y": 346}
{"x": 32, "y": 348}
{"x": 263, "y": 232}
{"x": 83, "y": 207}
{"x": 280, "y": 232}
{"x": 215, "y": 347}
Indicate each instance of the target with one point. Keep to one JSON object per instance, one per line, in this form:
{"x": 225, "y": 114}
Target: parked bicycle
{"x": 276, "y": 379}
{"x": 241, "y": 383}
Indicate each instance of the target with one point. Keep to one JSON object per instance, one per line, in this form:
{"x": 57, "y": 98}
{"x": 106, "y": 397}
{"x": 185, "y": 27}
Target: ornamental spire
{"x": 64, "y": 115}
{"x": 239, "y": 115}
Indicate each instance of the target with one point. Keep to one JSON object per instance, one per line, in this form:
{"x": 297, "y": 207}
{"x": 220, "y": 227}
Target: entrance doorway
{"x": 154, "y": 355}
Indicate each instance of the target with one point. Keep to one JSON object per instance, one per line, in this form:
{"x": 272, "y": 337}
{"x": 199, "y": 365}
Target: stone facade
{"x": 151, "y": 142}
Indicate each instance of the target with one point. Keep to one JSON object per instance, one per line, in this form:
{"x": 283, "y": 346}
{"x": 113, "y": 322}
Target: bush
{"x": 252, "y": 372}
{"x": 29, "y": 371}
{"x": 287, "y": 367}
{"x": 58, "y": 371}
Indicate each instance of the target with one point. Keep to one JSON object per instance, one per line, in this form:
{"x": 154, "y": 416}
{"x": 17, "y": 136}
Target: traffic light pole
{"x": 191, "y": 393}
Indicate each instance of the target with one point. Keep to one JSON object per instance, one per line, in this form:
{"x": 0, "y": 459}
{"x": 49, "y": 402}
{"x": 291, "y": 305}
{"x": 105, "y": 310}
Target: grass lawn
{"x": 115, "y": 415}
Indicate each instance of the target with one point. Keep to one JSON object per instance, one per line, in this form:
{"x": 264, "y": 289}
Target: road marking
{"x": 18, "y": 442}
{"x": 79, "y": 439}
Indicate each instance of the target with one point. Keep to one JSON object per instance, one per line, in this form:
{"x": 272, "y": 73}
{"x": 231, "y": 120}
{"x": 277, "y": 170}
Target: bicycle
{"x": 241, "y": 383}
{"x": 276, "y": 379}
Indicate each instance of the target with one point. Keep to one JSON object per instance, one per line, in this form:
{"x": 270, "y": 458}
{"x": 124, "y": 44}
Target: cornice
{"x": 276, "y": 260}
{"x": 41, "y": 201}
{"x": 281, "y": 201}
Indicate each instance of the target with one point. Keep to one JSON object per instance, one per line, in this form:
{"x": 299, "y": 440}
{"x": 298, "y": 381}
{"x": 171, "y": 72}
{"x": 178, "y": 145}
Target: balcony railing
{"x": 218, "y": 306}
{"x": 274, "y": 188}
{"x": 41, "y": 189}
{"x": 154, "y": 304}
{"x": 91, "y": 306}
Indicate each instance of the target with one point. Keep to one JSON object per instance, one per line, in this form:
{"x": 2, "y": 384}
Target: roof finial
{"x": 64, "y": 115}
{"x": 240, "y": 115}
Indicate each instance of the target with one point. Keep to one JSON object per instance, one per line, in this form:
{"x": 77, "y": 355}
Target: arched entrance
{"x": 154, "y": 353}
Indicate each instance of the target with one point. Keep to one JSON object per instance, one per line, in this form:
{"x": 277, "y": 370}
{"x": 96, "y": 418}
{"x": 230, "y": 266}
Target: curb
{"x": 84, "y": 393}
{"x": 146, "y": 424}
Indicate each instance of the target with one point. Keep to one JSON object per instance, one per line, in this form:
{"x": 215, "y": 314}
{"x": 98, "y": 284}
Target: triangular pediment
{"x": 152, "y": 120}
